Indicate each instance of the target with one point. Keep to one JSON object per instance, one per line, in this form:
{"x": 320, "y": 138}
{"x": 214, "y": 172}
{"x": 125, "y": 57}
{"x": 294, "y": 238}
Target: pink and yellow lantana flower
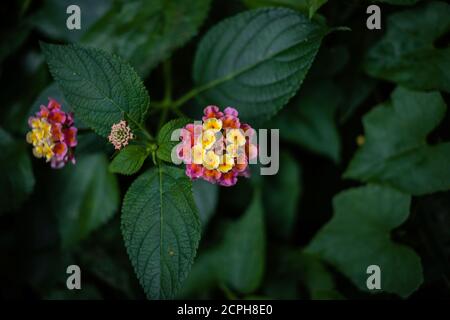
{"x": 217, "y": 149}
{"x": 53, "y": 134}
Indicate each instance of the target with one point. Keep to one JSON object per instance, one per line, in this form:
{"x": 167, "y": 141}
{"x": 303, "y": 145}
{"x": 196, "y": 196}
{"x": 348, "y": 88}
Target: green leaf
{"x": 282, "y": 191}
{"x": 306, "y": 6}
{"x": 86, "y": 197}
{"x": 310, "y": 119}
{"x": 315, "y": 5}
{"x": 51, "y": 18}
{"x": 129, "y": 160}
{"x": 408, "y": 54}
{"x": 165, "y": 144}
{"x": 161, "y": 230}
{"x": 206, "y": 196}
{"x": 145, "y": 33}
{"x": 396, "y": 152}
{"x": 256, "y": 60}
{"x": 16, "y": 174}
{"x": 359, "y": 235}
{"x": 101, "y": 88}
{"x": 243, "y": 250}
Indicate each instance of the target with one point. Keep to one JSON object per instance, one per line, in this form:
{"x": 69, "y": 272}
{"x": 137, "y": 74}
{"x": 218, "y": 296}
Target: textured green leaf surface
{"x": 358, "y": 236}
{"x": 129, "y": 160}
{"x": 165, "y": 144}
{"x": 87, "y": 196}
{"x": 282, "y": 191}
{"x": 161, "y": 230}
{"x": 408, "y": 53}
{"x": 396, "y": 151}
{"x": 306, "y": 6}
{"x": 16, "y": 174}
{"x": 310, "y": 119}
{"x": 100, "y": 87}
{"x": 243, "y": 252}
{"x": 256, "y": 60}
{"x": 146, "y": 32}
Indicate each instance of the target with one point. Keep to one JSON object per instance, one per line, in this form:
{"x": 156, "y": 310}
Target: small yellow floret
{"x": 43, "y": 150}
{"x": 208, "y": 139}
{"x": 212, "y": 124}
{"x": 198, "y": 154}
{"x": 211, "y": 160}
{"x": 226, "y": 164}
{"x": 236, "y": 136}
{"x": 233, "y": 149}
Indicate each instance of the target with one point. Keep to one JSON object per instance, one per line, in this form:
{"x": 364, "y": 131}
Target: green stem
{"x": 163, "y": 118}
{"x": 191, "y": 94}
{"x": 144, "y": 131}
{"x": 194, "y": 92}
{"x": 138, "y": 125}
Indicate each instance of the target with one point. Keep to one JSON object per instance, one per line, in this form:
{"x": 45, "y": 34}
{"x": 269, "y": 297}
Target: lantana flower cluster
{"x": 53, "y": 134}
{"x": 120, "y": 135}
{"x": 219, "y": 148}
